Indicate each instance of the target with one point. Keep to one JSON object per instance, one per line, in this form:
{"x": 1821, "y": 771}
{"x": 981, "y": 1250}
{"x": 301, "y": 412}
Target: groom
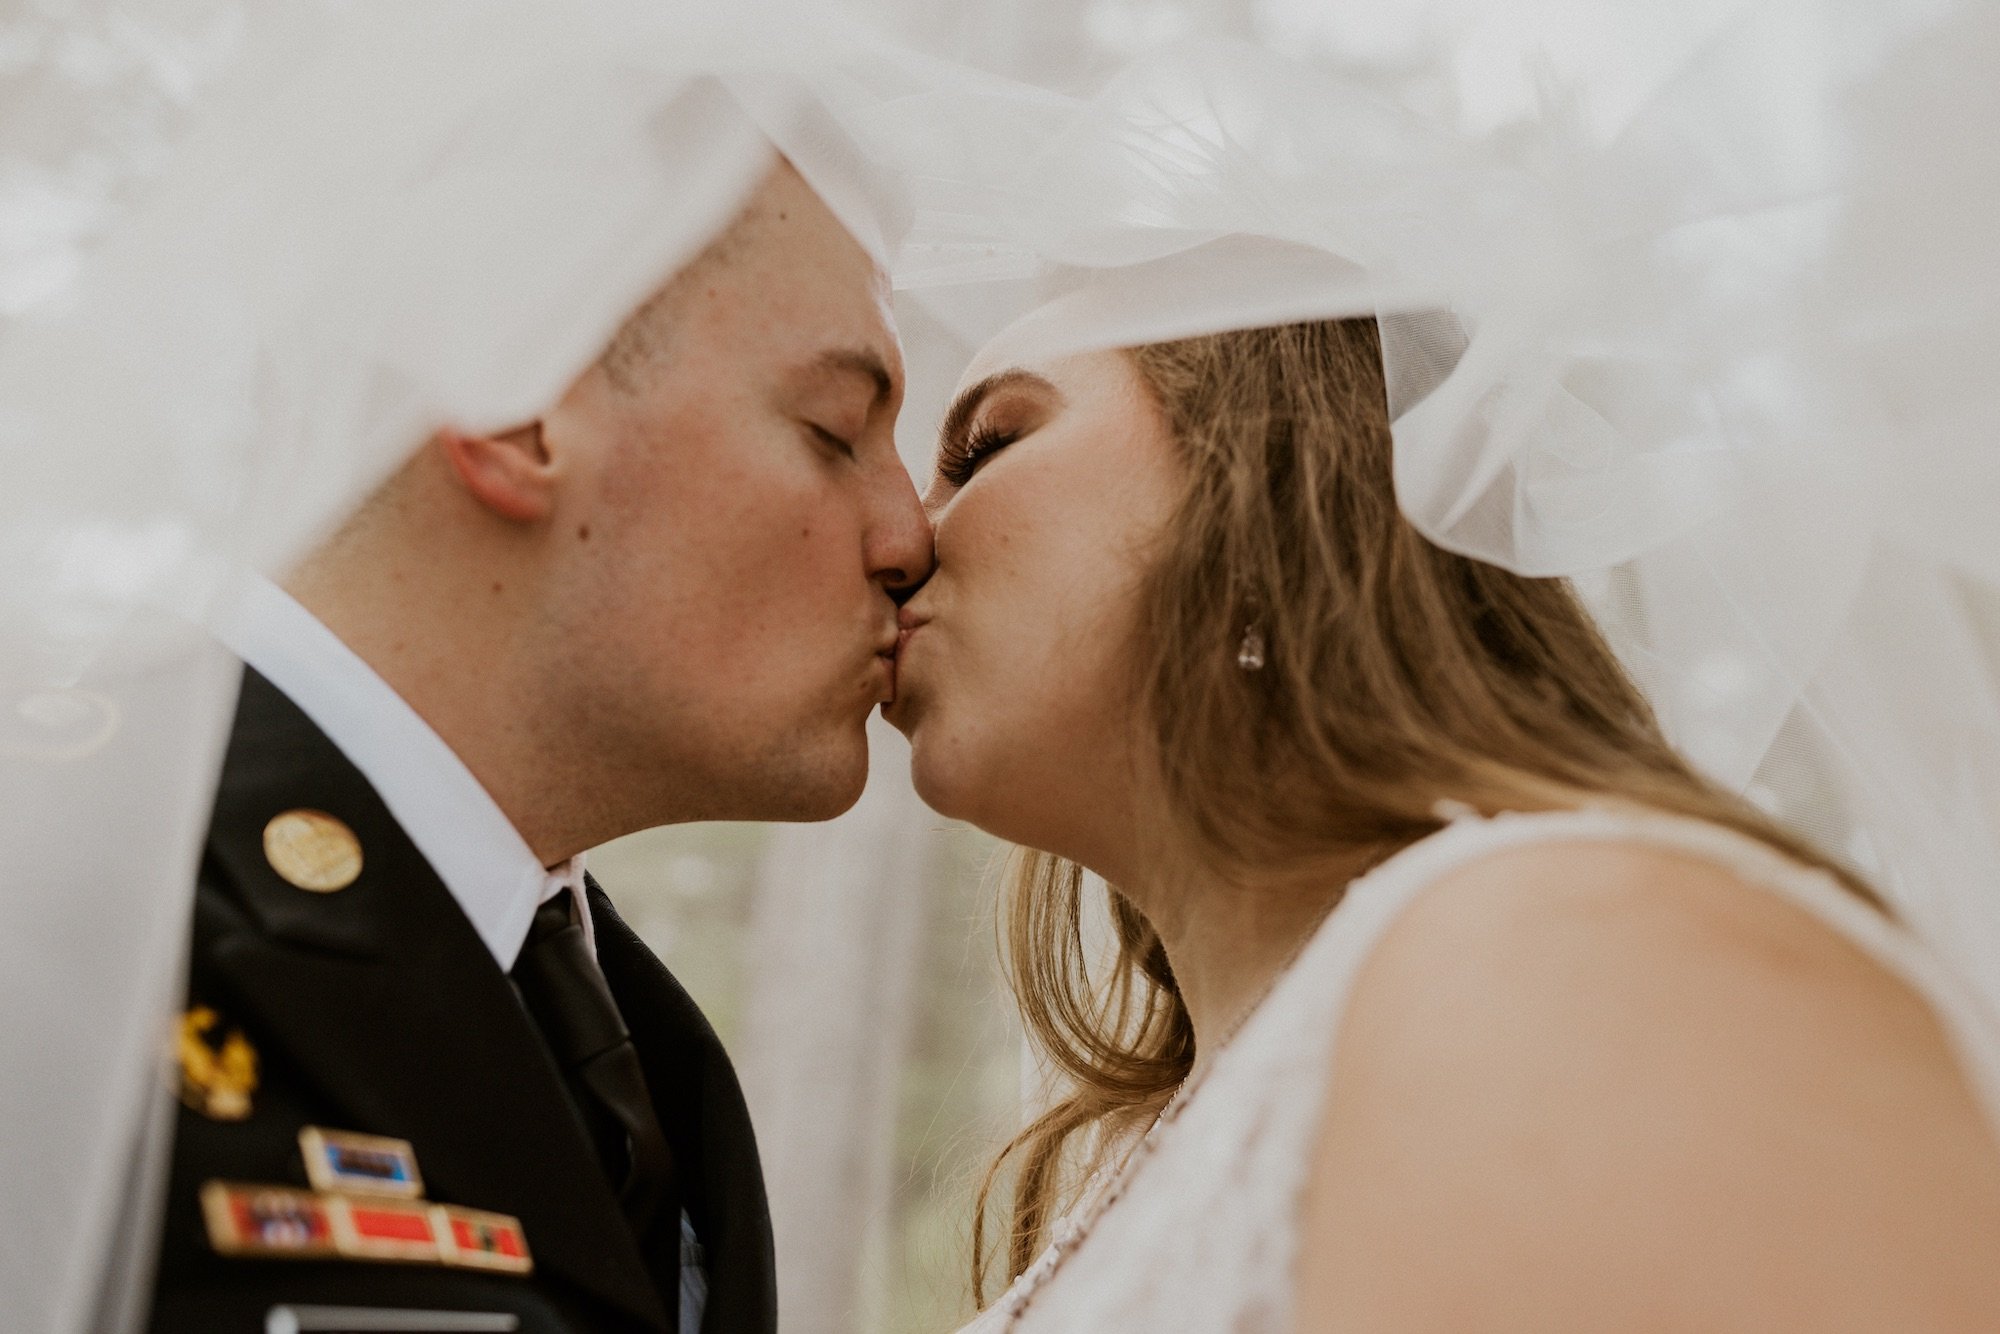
{"x": 426, "y": 1071}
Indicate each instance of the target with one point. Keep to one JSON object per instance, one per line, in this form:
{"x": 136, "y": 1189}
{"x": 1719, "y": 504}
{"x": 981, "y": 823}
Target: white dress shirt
{"x": 453, "y": 821}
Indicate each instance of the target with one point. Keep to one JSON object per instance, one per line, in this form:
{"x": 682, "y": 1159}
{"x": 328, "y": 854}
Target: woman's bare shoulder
{"x": 1615, "y": 1076}
{"x": 1632, "y": 915}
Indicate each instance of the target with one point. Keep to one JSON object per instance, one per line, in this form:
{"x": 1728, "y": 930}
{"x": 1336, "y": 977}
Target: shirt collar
{"x": 453, "y": 821}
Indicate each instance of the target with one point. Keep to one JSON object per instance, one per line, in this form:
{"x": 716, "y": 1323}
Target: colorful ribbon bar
{"x": 351, "y": 1164}
{"x": 267, "y": 1220}
{"x": 283, "y": 1222}
{"x": 476, "y": 1239}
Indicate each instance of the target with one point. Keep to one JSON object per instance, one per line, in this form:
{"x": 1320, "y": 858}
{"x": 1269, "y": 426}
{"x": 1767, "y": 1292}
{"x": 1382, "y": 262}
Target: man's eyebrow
{"x": 858, "y": 361}
{"x": 967, "y": 403}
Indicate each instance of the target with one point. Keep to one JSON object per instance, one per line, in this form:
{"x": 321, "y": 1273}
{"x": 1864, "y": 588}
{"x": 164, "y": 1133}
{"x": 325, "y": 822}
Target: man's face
{"x": 735, "y": 524}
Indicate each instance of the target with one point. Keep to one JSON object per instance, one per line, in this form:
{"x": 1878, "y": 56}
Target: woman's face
{"x": 1054, "y": 480}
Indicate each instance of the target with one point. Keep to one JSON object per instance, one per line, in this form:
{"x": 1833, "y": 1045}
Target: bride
{"x": 1446, "y": 995}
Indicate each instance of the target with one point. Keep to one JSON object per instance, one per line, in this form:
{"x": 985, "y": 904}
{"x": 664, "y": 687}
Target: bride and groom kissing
{"x": 1156, "y": 615}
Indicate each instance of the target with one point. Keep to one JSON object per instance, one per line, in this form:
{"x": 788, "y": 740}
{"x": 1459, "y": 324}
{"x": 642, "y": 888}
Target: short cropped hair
{"x": 642, "y": 343}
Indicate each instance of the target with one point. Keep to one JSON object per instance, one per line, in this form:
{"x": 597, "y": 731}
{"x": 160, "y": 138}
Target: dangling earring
{"x": 1250, "y": 653}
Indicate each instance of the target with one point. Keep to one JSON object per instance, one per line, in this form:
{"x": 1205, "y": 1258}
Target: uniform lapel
{"x": 386, "y": 1000}
{"x": 702, "y": 1112}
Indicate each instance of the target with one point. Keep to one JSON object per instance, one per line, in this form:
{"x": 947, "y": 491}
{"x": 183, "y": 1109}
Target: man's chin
{"x": 832, "y": 802}
{"x": 821, "y": 784}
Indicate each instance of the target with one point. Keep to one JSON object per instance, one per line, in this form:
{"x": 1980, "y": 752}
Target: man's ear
{"x": 510, "y": 473}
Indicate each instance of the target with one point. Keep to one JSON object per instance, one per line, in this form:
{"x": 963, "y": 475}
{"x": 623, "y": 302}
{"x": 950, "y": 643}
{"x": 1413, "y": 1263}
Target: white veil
{"x": 1721, "y": 358}
{"x": 256, "y": 254}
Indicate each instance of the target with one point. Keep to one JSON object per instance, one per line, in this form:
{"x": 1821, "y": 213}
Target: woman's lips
{"x": 907, "y": 626}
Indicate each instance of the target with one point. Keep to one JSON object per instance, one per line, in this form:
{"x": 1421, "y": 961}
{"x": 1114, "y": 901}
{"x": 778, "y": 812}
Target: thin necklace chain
{"x": 1069, "y": 1232}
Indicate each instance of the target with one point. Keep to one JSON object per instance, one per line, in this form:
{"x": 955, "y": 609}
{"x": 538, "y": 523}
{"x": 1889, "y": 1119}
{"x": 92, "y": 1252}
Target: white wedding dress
{"x": 1204, "y": 1237}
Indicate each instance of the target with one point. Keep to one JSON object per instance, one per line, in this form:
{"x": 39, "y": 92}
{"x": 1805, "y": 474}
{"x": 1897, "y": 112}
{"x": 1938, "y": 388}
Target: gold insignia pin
{"x": 218, "y": 1071}
{"x": 312, "y": 850}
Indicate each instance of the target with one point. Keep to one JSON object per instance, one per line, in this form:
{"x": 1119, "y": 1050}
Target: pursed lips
{"x": 885, "y": 653}
{"x": 907, "y": 624}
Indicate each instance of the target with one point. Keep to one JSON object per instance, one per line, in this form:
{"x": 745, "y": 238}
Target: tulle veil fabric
{"x": 263, "y": 251}
{"x": 1713, "y": 359}
{"x": 1723, "y": 362}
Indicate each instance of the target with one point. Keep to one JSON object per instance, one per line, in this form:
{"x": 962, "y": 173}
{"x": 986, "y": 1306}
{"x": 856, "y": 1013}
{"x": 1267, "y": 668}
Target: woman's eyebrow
{"x": 968, "y": 402}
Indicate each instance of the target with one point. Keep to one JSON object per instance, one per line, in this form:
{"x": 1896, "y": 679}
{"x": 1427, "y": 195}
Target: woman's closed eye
{"x": 998, "y": 411}
{"x": 959, "y": 457}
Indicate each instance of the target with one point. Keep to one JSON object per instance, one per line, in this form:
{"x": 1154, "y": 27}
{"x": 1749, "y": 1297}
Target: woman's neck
{"x": 1228, "y": 944}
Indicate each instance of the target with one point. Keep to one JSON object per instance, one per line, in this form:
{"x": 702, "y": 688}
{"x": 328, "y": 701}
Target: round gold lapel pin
{"x": 312, "y": 850}
{"x": 218, "y": 1070}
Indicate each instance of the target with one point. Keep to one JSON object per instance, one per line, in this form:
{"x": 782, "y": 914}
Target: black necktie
{"x": 567, "y": 997}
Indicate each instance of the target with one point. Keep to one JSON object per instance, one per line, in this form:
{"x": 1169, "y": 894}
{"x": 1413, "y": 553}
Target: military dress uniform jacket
{"x": 377, "y": 1009}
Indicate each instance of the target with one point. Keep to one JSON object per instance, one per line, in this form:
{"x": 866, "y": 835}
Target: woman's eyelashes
{"x": 959, "y": 458}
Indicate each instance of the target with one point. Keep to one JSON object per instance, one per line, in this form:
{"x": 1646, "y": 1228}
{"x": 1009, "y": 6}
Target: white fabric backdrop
{"x": 1796, "y": 555}
{"x": 1739, "y": 520}
{"x": 254, "y": 254}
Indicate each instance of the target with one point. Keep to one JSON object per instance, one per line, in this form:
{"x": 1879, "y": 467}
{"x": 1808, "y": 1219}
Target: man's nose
{"x": 905, "y": 553}
{"x": 903, "y": 591}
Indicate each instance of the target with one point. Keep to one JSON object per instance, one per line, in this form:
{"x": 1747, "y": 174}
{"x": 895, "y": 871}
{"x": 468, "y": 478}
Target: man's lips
{"x": 885, "y": 653}
{"x": 907, "y": 624}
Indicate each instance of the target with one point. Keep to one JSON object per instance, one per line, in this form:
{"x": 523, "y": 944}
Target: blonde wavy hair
{"x": 1396, "y": 674}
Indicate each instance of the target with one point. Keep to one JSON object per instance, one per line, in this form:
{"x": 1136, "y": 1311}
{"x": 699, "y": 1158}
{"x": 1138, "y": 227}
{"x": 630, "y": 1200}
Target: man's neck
{"x": 462, "y": 674}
